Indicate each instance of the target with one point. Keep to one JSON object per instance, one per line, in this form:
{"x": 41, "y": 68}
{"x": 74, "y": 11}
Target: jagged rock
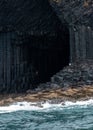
{"x": 33, "y": 39}
{"x": 75, "y": 75}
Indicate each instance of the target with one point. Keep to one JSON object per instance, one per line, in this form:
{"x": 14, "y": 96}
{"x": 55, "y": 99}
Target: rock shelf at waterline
{"x": 55, "y": 95}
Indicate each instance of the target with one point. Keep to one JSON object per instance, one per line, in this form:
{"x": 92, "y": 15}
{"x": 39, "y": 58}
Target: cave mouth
{"x": 49, "y": 54}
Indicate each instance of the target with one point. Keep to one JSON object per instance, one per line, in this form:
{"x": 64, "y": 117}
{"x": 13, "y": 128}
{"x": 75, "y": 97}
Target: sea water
{"x": 46, "y": 116}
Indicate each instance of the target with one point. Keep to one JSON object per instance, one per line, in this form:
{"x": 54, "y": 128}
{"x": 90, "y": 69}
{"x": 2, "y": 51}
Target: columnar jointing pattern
{"x": 79, "y": 17}
{"x": 34, "y": 44}
{"x": 26, "y": 61}
{"x": 81, "y": 43}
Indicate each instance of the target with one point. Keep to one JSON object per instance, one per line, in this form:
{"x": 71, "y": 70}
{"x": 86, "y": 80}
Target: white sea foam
{"x": 27, "y": 106}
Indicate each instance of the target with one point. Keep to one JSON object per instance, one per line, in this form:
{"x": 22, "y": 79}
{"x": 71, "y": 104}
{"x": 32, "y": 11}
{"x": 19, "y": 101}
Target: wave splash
{"x": 48, "y": 105}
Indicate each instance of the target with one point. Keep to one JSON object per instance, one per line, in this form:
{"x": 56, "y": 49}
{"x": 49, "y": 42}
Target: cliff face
{"x": 74, "y": 11}
{"x": 78, "y": 16}
{"x": 33, "y": 44}
{"x": 35, "y": 16}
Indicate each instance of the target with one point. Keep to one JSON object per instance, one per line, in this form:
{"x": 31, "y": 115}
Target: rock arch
{"x": 79, "y": 17}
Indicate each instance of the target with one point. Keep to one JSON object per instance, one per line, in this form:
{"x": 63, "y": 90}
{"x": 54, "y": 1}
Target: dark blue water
{"x": 77, "y": 116}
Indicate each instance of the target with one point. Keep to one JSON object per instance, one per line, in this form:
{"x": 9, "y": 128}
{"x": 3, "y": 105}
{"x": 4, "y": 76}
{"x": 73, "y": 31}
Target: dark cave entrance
{"x": 48, "y": 55}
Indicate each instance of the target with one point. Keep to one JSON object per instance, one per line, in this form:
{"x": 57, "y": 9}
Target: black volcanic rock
{"x": 74, "y": 11}
{"x": 29, "y": 31}
{"x": 35, "y": 16}
{"x": 76, "y": 75}
{"x": 45, "y": 43}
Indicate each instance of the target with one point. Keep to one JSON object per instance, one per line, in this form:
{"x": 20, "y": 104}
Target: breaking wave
{"x": 48, "y": 105}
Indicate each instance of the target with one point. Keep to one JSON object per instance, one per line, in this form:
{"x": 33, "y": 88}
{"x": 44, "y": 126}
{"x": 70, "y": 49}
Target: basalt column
{"x": 81, "y": 43}
{"x": 5, "y": 60}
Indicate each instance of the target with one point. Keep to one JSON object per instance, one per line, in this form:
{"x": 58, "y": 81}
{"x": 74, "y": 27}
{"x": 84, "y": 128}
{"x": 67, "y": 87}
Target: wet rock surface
{"x": 54, "y": 96}
{"x": 74, "y": 82}
{"x": 76, "y": 75}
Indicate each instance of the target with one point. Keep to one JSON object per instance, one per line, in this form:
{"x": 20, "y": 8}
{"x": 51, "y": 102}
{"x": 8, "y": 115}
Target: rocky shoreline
{"x": 74, "y": 82}
{"x": 55, "y": 95}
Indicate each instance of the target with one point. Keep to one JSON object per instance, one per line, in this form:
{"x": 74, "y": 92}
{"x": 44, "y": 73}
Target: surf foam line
{"x": 48, "y": 105}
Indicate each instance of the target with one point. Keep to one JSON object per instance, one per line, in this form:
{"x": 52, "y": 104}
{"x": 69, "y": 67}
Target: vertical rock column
{"x": 80, "y": 43}
{"x": 77, "y": 44}
{"x": 5, "y": 60}
{"x": 8, "y": 59}
{"x": 82, "y": 35}
{"x": 1, "y": 61}
{"x": 72, "y": 44}
{"x": 89, "y": 42}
